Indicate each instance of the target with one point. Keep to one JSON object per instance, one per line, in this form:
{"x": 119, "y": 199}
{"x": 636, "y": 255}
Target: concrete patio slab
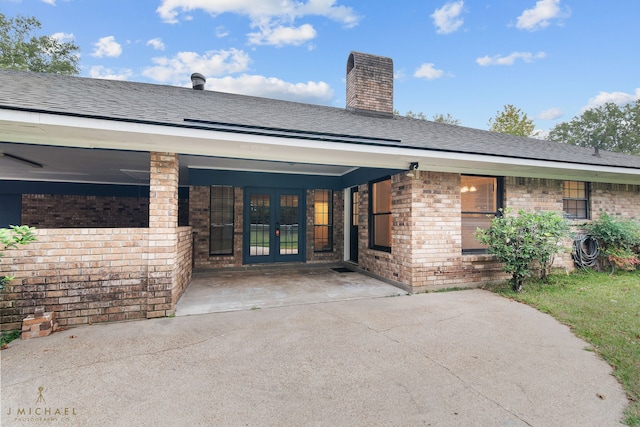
{"x": 467, "y": 358}
{"x": 228, "y": 290}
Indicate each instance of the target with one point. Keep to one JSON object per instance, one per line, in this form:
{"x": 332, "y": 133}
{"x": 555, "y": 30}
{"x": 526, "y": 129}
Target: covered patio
{"x": 213, "y": 291}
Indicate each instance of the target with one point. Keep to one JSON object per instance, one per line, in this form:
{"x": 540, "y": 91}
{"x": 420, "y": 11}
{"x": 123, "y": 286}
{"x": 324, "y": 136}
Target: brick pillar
{"x": 163, "y": 234}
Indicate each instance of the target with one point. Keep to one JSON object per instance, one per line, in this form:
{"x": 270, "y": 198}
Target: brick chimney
{"x": 370, "y": 84}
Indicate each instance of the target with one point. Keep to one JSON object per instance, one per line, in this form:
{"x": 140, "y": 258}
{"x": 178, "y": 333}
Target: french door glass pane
{"x": 260, "y": 229}
{"x": 288, "y": 224}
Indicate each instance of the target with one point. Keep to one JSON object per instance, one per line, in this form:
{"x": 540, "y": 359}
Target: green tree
{"x": 512, "y": 121}
{"x": 21, "y": 49}
{"x": 608, "y": 127}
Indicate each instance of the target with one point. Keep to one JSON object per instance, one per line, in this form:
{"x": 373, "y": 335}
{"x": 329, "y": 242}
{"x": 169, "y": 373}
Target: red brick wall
{"x": 184, "y": 264}
{"x": 89, "y": 276}
{"x": 71, "y": 211}
{"x": 77, "y": 211}
{"x": 615, "y": 199}
{"x": 84, "y": 275}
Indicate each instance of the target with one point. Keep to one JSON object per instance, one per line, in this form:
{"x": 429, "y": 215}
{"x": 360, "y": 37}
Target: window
{"x": 480, "y": 197}
{"x": 380, "y": 215}
{"x": 323, "y": 221}
{"x": 221, "y": 231}
{"x": 575, "y": 199}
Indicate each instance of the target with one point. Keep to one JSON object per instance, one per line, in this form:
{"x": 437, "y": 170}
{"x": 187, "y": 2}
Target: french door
{"x": 274, "y": 226}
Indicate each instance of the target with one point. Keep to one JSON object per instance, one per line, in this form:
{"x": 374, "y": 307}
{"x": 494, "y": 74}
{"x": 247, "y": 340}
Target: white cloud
{"x": 62, "y": 37}
{"x": 509, "y": 59}
{"x": 270, "y": 87}
{"x": 550, "y": 114}
{"x": 618, "y": 98}
{"x": 51, "y": 2}
{"x": 178, "y": 69}
{"x": 399, "y": 75}
{"x": 274, "y": 19}
{"x": 541, "y": 14}
{"x": 280, "y": 36}
{"x": 156, "y": 43}
{"x": 221, "y": 32}
{"x": 100, "y": 72}
{"x": 107, "y": 46}
{"x": 429, "y": 72}
{"x": 289, "y": 10}
{"x": 447, "y": 19}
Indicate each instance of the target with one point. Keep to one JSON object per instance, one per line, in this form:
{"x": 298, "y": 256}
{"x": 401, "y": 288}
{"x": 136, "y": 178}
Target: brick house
{"x": 133, "y": 185}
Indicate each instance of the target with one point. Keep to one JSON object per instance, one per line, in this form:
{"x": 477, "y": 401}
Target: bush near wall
{"x": 619, "y": 240}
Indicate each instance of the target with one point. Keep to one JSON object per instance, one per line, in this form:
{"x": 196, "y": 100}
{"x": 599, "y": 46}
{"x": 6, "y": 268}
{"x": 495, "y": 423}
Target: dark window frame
{"x": 586, "y": 200}
{"x": 212, "y": 226}
{"x": 500, "y": 198}
{"x": 329, "y": 218}
{"x": 373, "y": 215}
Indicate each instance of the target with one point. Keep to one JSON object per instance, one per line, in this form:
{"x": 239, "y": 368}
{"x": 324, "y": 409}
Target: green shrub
{"x": 12, "y": 237}
{"x": 524, "y": 241}
{"x": 619, "y": 240}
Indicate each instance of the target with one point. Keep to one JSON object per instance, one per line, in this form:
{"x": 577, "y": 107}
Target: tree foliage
{"x": 524, "y": 241}
{"x": 608, "y": 127}
{"x": 12, "y": 237}
{"x": 449, "y": 119}
{"x": 512, "y": 121}
{"x": 21, "y": 49}
{"x": 439, "y": 118}
{"x": 420, "y": 115}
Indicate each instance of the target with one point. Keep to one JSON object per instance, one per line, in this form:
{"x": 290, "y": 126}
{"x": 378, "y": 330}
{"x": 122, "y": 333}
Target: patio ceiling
{"x": 102, "y": 166}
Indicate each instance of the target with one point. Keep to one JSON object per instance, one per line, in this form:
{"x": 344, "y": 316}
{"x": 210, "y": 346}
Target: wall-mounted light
{"x": 467, "y": 189}
{"x": 413, "y": 166}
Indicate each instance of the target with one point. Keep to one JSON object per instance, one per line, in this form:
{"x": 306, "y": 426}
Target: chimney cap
{"x": 198, "y": 81}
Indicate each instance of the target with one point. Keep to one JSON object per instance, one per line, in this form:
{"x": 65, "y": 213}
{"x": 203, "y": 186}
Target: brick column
{"x": 435, "y": 230}
{"x": 163, "y": 234}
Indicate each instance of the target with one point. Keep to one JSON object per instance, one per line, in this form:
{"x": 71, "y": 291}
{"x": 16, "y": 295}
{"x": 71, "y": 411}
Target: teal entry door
{"x": 274, "y": 226}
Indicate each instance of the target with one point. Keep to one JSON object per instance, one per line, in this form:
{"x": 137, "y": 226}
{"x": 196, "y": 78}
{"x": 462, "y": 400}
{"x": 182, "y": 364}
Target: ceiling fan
{"x": 21, "y": 160}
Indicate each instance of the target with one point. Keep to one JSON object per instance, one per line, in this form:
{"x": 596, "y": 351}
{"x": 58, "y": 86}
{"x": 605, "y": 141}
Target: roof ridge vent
{"x": 198, "y": 81}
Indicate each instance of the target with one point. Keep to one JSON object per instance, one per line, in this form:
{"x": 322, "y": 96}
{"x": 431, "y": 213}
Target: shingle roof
{"x": 170, "y": 105}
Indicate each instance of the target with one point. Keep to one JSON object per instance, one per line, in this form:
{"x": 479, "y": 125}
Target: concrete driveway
{"x": 467, "y": 358}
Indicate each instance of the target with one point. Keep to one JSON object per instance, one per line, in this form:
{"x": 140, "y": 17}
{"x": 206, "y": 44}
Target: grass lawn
{"x": 601, "y": 309}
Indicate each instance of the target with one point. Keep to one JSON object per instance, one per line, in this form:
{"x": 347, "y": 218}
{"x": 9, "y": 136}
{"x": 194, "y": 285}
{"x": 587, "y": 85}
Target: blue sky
{"x": 550, "y": 58}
